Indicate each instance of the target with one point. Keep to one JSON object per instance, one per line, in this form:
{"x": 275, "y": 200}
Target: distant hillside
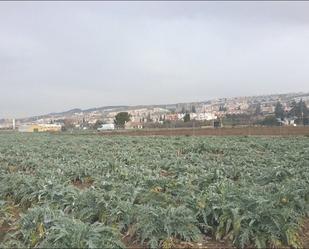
{"x": 172, "y": 107}
{"x": 73, "y": 111}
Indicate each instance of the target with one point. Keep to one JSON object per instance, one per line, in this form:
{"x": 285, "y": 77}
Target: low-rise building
{"x": 39, "y": 128}
{"x": 269, "y": 109}
{"x": 171, "y": 117}
{"x": 134, "y": 125}
{"x": 202, "y": 116}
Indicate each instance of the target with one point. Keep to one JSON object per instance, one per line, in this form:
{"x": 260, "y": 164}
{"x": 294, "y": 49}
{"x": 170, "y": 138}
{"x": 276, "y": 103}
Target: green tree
{"x": 97, "y": 124}
{"x": 193, "y": 109}
{"x": 68, "y": 124}
{"x": 279, "y": 111}
{"x": 149, "y": 119}
{"x": 258, "y": 109}
{"x": 186, "y": 118}
{"x": 270, "y": 120}
{"x": 303, "y": 112}
{"x": 121, "y": 118}
{"x": 222, "y": 108}
{"x": 183, "y": 110}
{"x": 299, "y": 110}
{"x": 292, "y": 112}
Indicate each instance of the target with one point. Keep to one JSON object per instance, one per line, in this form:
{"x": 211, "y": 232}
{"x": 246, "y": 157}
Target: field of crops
{"x": 88, "y": 191}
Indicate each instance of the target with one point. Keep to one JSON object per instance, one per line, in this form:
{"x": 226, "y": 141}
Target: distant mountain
{"x": 76, "y": 110}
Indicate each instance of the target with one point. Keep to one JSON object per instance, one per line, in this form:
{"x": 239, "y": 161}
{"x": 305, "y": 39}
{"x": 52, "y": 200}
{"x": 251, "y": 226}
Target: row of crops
{"x": 64, "y": 191}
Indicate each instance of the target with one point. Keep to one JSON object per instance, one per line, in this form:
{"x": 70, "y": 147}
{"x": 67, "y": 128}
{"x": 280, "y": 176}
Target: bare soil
{"x": 239, "y": 131}
{"x": 177, "y": 244}
{"x": 6, "y": 227}
{"x": 87, "y": 183}
{"x": 209, "y": 243}
{"x": 304, "y": 235}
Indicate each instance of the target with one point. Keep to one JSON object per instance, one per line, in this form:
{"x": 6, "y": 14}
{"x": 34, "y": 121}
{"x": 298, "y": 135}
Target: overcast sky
{"x": 56, "y": 56}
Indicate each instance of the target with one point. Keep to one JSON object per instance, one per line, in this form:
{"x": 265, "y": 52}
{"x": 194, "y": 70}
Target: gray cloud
{"x": 60, "y": 55}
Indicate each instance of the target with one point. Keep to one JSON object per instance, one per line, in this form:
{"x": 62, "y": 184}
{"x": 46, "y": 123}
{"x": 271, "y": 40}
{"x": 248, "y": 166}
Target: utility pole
{"x": 249, "y": 126}
{"x": 193, "y": 127}
{"x": 302, "y": 111}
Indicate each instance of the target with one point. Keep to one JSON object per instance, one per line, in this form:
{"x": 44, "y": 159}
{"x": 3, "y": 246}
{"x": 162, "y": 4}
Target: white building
{"x": 203, "y": 116}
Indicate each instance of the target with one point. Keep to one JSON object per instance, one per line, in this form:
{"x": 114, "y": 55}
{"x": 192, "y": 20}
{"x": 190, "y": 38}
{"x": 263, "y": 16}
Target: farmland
{"x": 86, "y": 191}
{"x": 226, "y": 131}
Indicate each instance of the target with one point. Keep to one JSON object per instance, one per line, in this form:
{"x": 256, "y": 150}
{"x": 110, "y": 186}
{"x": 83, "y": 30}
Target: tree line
{"x": 299, "y": 112}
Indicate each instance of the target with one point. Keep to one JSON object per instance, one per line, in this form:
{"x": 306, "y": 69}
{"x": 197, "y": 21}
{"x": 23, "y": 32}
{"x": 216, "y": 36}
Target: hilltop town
{"x": 229, "y": 111}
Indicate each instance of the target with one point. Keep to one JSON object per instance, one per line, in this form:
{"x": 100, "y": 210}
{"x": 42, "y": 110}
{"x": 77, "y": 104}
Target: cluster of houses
{"x": 139, "y": 116}
{"x": 138, "y": 119}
